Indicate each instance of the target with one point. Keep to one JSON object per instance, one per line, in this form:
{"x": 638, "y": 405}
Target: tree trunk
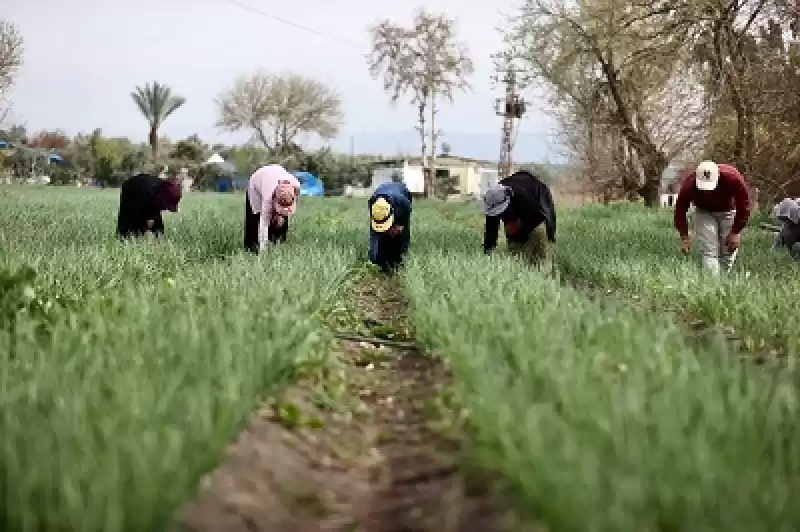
{"x": 284, "y": 148}
{"x": 653, "y": 161}
{"x": 423, "y": 136}
{"x": 653, "y": 165}
{"x": 732, "y": 65}
{"x": 153, "y": 139}
{"x": 591, "y": 153}
{"x": 607, "y": 193}
{"x": 431, "y": 188}
{"x": 262, "y": 137}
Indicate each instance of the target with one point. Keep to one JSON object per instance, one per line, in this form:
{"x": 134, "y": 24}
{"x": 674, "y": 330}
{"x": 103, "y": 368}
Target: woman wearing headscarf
{"x": 390, "y": 225}
{"x": 270, "y": 201}
{"x": 788, "y": 213}
{"x": 142, "y": 198}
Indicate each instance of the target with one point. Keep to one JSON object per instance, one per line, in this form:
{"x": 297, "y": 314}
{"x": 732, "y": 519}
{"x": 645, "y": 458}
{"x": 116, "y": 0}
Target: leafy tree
{"x": 277, "y": 108}
{"x": 50, "y": 140}
{"x": 191, "y": 149}
{"x": 16, "y": 133}
{"x": 426, "y": 62}
{"x": 156, "y": 102}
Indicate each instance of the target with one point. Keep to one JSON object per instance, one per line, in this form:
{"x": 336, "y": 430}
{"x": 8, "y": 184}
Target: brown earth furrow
{"x": 386, "y": 458}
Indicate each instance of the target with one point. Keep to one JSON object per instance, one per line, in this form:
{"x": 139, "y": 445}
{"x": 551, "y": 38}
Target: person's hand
{"x": 686, "y": 245}
{"x": 396, "y": 230}
{"x": 732, "y": 241}
{"x": 150, "y": 224}
{"x": 278, "y": 220}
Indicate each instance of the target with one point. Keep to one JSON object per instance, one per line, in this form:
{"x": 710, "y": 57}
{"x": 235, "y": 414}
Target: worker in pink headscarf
{"x": 270, "y": 200}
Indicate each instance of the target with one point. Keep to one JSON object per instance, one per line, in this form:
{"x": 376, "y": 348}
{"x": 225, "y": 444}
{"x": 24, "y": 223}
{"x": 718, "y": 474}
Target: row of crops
{"x": 601, "y": 416}
{"x": 131, "y": 367}
{"x": 112, "y": 407}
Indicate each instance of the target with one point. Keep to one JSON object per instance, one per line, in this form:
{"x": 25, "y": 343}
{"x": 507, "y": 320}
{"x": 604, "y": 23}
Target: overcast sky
{"x": 84, "y": 57}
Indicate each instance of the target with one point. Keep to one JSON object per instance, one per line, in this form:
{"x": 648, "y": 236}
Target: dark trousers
{"x": 251, "y": 220}
{"x": 133, "y": 223}
{"x": 388, "y": 252}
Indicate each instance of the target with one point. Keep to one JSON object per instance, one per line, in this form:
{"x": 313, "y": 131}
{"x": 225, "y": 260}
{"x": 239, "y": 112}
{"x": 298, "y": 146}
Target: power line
{"x": 295, "y": 24}
{"x": 513, "y": 106}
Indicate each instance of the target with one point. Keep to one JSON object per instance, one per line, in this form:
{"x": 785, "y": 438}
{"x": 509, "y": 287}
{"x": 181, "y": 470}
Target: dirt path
{"x": 369, "y": 444}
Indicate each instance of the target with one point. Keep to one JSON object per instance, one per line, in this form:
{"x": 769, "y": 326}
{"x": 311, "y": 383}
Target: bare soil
{"x": 370, "y": 443}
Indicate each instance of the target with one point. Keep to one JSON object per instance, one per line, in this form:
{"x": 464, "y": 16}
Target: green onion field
{"x": 605, "y": 398}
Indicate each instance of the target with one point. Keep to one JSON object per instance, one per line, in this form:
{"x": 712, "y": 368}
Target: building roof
{"x": 441, "y": 160}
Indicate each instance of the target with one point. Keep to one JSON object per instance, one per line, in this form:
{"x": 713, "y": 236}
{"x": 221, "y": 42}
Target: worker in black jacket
{"x": 141, "y": 200}
{"x": 525, "y": 206}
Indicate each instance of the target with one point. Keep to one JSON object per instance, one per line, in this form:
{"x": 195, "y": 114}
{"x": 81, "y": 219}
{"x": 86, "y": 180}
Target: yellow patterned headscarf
{"x": 382, "y": 215}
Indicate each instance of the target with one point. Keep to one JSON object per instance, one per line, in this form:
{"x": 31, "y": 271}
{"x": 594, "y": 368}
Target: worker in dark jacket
{"x": 722, "y": 208}
{"x": 525, "y": 206}
{"x": 390, "y": 225}
{"x": 141, "y": 200}
{"x": 787, "y": 212}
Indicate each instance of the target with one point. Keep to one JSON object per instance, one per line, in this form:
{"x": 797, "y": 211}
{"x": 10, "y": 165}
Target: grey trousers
{"x": 712, "y": 228}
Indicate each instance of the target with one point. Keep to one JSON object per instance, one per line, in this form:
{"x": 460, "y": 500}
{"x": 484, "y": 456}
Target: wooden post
{"x": 754, "y": 200}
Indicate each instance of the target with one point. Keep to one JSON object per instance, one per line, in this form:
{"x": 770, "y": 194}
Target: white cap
{"x": 706, "y": 176}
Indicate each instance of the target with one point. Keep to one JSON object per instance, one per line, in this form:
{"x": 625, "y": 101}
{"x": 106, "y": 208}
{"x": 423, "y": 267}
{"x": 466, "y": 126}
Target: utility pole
{"x": 511, "y": 108}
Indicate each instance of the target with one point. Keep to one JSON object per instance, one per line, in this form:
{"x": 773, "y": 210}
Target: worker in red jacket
{"x": 722, "y": 208}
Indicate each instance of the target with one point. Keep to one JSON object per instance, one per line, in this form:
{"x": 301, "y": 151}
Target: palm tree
{"x": 156, "y": 102}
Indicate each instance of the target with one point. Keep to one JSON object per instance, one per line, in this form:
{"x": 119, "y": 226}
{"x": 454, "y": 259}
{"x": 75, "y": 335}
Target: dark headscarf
{"x": 169, "y": 194}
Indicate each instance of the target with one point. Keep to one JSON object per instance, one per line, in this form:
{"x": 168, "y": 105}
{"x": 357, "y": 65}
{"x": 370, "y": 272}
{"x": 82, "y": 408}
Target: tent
{"x": 227, "y": 182}
{"x": 310, "y": 185}
{"x": 222, "y": 164}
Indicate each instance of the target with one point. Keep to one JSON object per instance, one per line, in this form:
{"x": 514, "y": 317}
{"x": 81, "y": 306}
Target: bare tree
{"x": 277, "y": 108}
{"x": 11, "y": 57}
{"x": 615, "y": 58}
{"x": 426, "y": 60}
{"x": 723, "y": 48}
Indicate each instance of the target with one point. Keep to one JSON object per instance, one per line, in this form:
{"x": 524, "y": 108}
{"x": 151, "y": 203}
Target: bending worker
{"x": 525, "y": 206}
{"x": 788, "y": 213}
{"x": 722, "y": 208}
{"x": 141, "y": 200}
{"x": 270, "y": 202}
{"x": 390, "y": 225}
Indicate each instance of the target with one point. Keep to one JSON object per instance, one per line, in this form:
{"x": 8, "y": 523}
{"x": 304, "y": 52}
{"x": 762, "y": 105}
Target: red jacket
{"x": 731, "y": 193}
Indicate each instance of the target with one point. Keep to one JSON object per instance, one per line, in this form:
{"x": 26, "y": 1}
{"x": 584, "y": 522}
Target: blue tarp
{"x": 223, "y": 184}
{"x": 229, "y": 183}
{"x": 6, "y": 145}
{"x": 310, "y": 185}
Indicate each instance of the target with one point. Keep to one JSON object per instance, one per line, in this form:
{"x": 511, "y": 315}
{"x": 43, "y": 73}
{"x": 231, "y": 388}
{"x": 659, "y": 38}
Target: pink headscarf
{"x": 261, "y": 191}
